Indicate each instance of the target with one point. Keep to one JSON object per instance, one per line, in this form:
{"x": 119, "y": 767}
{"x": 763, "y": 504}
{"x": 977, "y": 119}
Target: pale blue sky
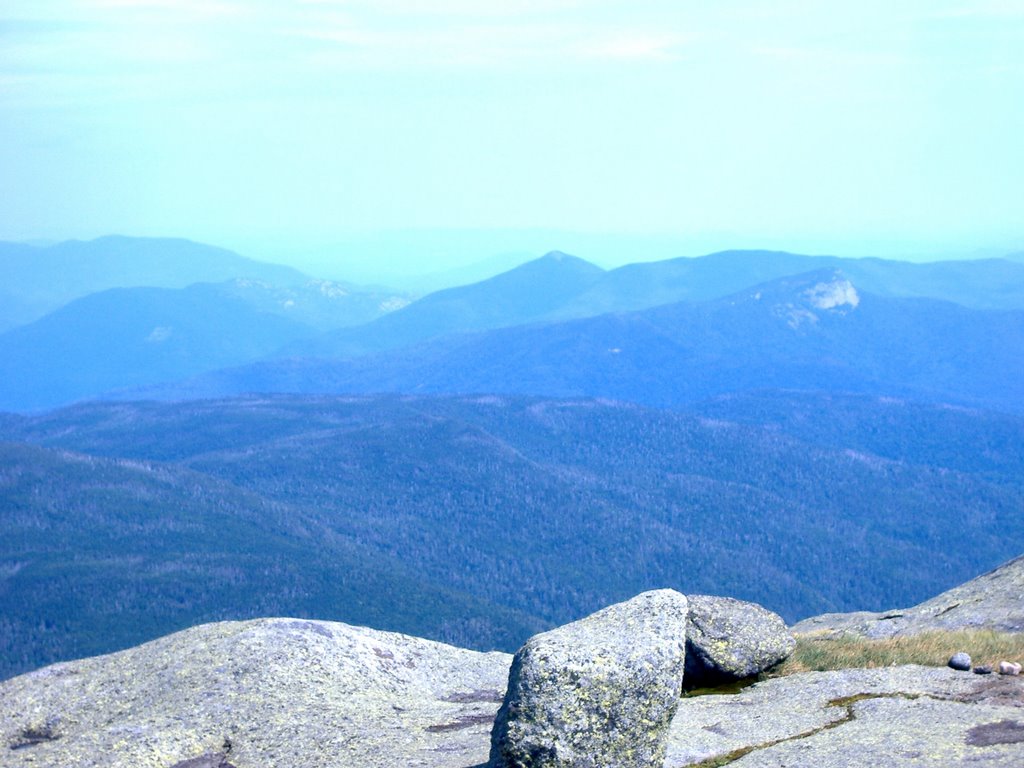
{"x": 853, "y": 127}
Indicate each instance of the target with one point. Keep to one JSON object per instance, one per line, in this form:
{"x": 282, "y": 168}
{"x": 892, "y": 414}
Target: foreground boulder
{"x": 601, "y": 691}
{"x": 729, "y": 639}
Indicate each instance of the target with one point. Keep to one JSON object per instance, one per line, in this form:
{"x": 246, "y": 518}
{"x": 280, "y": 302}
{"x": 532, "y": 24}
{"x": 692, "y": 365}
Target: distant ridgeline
{"x": 664, "y": 334}
{"x": 835, "y": 434}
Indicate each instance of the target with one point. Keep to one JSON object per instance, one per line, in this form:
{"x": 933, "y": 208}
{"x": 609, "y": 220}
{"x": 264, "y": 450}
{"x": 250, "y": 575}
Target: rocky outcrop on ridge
{"x": 994, "y": 600}
{"x": 258, "y": 694}
{"x": 285, "y": 692}
{"x": 278, "y": 693}
{"x": 729, "y": 639}
{"x": 600, "y": 691}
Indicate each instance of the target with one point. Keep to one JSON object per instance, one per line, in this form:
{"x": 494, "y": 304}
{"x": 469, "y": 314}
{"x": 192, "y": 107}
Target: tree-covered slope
{"x": 962, "y": 439}
{"x": 550, "y": 508}
{"x": 132, "y": 336}
{"x": 97, "y": 554}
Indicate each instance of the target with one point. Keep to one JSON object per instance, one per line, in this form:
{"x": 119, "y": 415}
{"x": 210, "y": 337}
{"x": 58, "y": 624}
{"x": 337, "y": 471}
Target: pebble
{"x": 960, "y": 661}
{"x": 1008, "y": 668}
{"x": 983, "y": 669}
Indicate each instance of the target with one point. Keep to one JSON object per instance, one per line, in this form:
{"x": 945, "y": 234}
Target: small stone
{"x": 960, "y": 661}
{"x": 983, "y": 669}
{"x": 1009, "y": 668}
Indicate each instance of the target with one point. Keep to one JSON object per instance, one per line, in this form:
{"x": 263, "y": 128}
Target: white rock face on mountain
{"x": 832, "y": 294}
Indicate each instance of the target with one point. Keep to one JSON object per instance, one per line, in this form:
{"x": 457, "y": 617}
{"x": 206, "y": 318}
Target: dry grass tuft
{"x": 931, "y": 649}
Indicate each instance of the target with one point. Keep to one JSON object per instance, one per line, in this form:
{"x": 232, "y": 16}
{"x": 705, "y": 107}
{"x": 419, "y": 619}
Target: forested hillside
{"x": 98, "y": 554}
{"x": 457, "y": 517}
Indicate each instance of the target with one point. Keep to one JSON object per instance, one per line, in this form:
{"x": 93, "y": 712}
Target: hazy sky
{"x": 868, "y": 126}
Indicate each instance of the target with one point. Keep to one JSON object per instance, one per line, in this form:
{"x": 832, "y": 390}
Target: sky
{"x": 422, "y": 135}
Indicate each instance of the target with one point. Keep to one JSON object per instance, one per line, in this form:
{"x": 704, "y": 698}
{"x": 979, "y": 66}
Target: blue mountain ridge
{"x": 811, "y": 332}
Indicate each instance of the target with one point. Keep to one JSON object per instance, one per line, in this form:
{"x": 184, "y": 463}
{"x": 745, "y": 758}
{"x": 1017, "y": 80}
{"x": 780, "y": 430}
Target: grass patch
{"x": 931, "y": 649}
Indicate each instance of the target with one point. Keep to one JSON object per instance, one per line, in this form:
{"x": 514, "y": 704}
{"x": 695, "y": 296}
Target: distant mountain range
{"x": 660, "y": 333}
{"x": 480, "y": 520}
{"x": 136, "y": 335}
{"x": 981, "y": 284}
{"x": 38, "y": 280}
{"x": 813, "y": 332}
{"x": 560, "y": 287}
{"x": 154, "y": 330}
{"x": 529, "y": 292}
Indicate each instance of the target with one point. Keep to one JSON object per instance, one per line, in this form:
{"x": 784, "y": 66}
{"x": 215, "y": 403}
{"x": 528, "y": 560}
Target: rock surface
{"x": 258, "y": 694}
{"x": 601, "y": 691}
{"x": 924, "y": 717}
{"x": 729, "y": 639}
{"x": 279, "y": 693}
{"x": 994, "y": 600}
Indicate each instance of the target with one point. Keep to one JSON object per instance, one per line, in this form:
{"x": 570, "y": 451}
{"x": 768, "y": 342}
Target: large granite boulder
{"x": 598, "y": 692}
{"x": 729, "y": 639}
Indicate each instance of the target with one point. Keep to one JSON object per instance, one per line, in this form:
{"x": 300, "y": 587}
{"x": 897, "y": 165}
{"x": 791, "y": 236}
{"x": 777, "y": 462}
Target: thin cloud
{"x": 649, "y": 47}
{"x": 191, "y": 8}
{"x": 995, "y": 9}
{"x": 470, "y": 42}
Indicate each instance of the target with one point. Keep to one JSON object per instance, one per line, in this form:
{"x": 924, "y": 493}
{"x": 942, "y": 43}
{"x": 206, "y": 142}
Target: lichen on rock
{"x": 729, "y": 639}
{"x": 258, "y": 694}
{"x": 600, "y": 691}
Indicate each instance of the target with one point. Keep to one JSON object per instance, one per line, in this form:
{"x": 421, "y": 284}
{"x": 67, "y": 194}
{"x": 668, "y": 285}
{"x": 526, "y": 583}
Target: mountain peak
{"x": 565, "y": 259}
{"x": 554, "y": 264}
{"x": 557, "y": 256}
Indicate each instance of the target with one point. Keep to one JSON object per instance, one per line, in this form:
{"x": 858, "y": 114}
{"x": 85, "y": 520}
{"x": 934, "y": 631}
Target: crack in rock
{"x": 845, "y": 702}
